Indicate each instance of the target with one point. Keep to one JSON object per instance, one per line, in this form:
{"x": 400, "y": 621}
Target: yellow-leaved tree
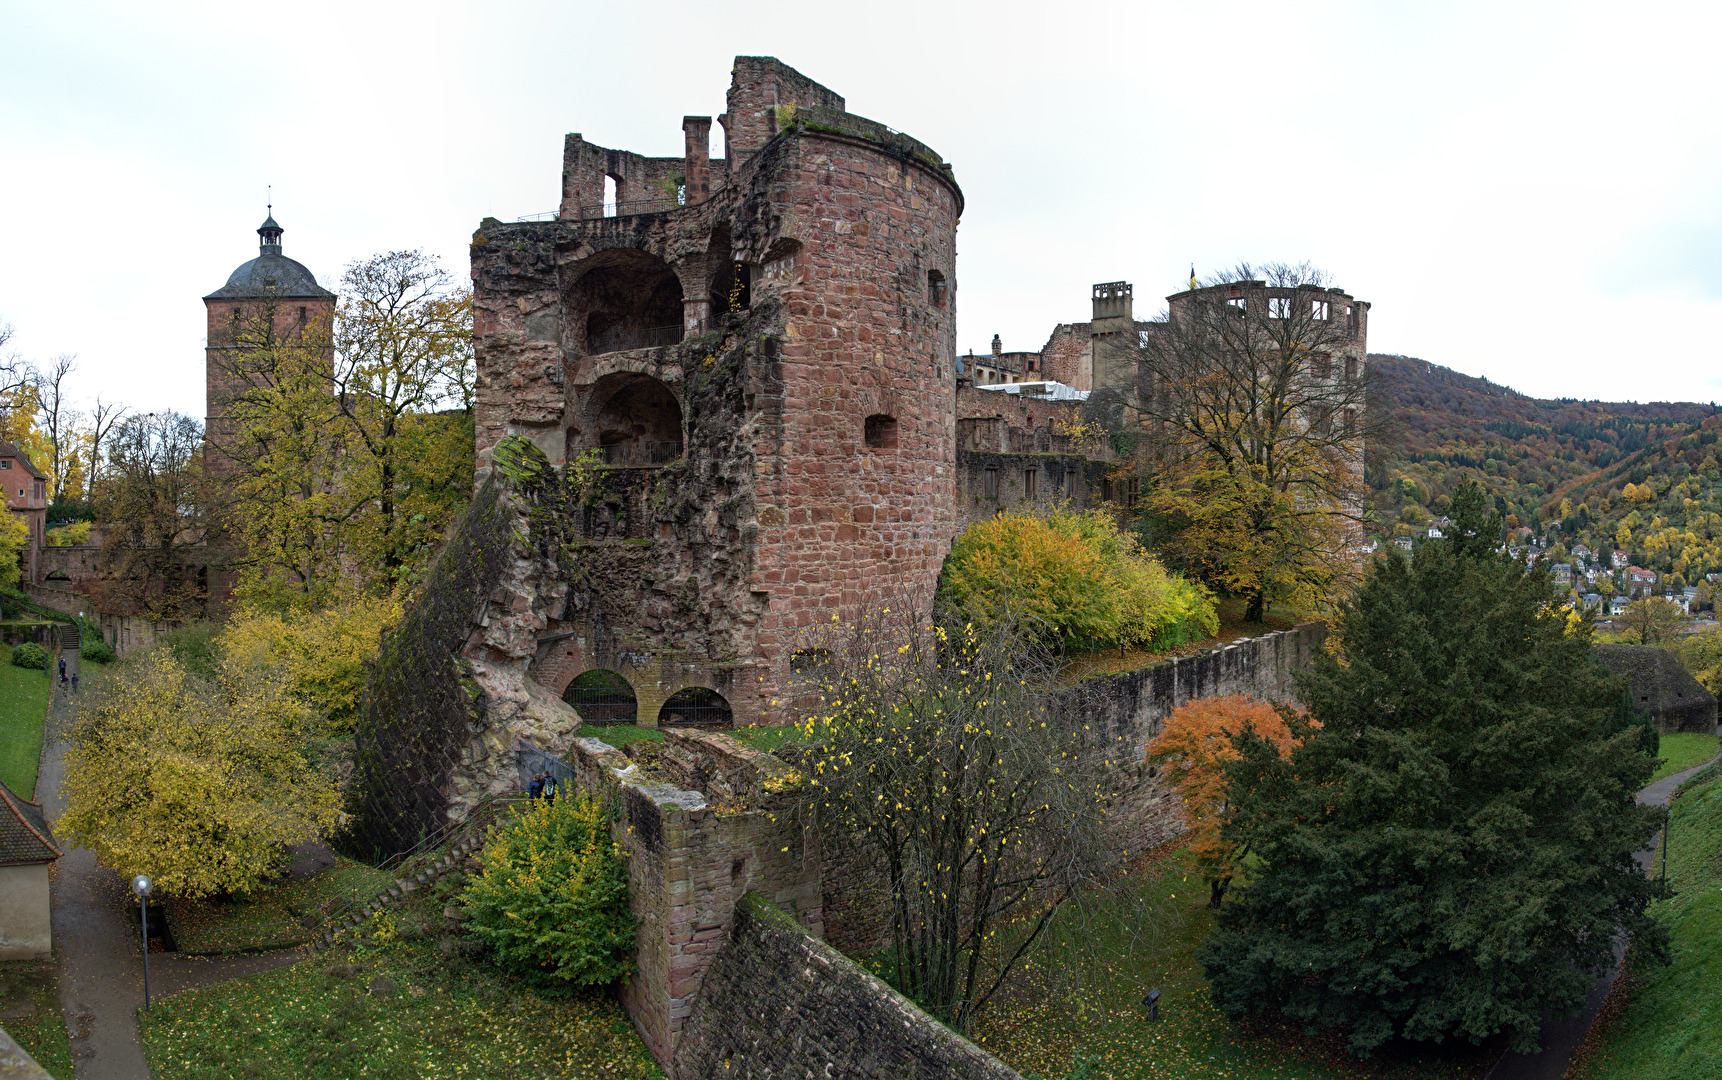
{"x": 14, "y": 535}
{"x": 1194, "y": 748}
{"x": 199, "y": 783}
{"x": 319, "y": 654}
{"x": 1077, "y": 577}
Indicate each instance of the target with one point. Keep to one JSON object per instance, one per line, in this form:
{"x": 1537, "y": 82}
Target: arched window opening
{"x": 610, "y": 188}
{"x": 627, "y": 300}
{"x": 640, "y": 421}
{"x": 602, "y": 697}
{"x": 936, "y": 288}
{"x": 881, "y": 432}
{"x": 696, "y": 706}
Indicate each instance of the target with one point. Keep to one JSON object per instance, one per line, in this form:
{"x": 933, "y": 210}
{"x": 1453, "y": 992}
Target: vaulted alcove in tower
{"x": 625, "y": 299}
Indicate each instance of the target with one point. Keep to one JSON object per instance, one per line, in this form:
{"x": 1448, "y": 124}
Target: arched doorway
{"x": 696, "y": 706}
{"x": 626, "y": 299}
{"x": 639, "y": 420}
{"x": 601, "y": 696}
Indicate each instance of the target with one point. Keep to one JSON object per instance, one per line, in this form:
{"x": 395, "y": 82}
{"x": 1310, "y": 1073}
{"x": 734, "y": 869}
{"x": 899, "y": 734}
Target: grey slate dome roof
{"x": 271, "y": 274}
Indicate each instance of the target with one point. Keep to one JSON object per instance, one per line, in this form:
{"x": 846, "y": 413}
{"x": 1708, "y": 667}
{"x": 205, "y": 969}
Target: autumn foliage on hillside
{"x": 1193, "y": 749}
{"x": 1640, "y": 478}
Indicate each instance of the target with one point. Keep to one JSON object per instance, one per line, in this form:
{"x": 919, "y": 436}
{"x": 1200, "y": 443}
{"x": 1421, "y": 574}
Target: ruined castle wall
{"x": 1132, "y": 706}
{"x": 868, "y": 332}
{"x": 1068, "y": 356}
{"x": 692, "y": 855}
{"x": 989, "y": 483}
{"x": 760, "y": 86}
{"x": 778, "y": 1002}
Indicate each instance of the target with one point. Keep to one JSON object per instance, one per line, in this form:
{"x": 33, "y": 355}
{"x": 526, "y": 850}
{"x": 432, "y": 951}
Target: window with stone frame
{"x": 1029, "y": 478}
{"x": 991, "y": 488}
{"x": 1350, "y": 368}
{"x": 1279, "y": 307}
{"x": 1318, "y": 310}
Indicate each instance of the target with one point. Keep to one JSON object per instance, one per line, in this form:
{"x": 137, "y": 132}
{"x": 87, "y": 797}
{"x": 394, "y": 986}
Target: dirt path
{"x": 95, "y": 920}
{"x": 1561, "y": 1039}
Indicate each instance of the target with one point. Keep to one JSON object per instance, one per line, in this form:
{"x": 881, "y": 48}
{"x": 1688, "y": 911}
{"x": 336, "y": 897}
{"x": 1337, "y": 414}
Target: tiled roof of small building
{"x": 24, "y": 835}
{"x": 11, "y": 450}
{"x": 1661, "y": 686}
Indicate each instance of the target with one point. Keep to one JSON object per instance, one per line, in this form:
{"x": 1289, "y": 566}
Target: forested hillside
{"x": 1643, "y": 478}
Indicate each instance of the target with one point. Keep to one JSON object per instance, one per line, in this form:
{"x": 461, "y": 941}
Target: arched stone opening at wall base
{"x": 637, "y": 420}
{"x": 602, "y": 696}
{"x": 624, "y": 299}
{"x": 696, "y": 706}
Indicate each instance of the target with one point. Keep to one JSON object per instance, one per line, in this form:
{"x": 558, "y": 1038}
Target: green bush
{"x": 97, "y": 650}
{"x": 29, "y": 655}
{"x": 552, "y": 900}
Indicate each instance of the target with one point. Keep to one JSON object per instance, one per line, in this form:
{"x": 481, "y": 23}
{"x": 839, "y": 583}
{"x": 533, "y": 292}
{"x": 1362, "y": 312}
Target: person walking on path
{"x": 62, "y": 670}
{"x": 74, "y": 679}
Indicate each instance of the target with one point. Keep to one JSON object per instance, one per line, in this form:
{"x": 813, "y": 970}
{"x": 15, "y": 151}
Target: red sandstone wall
{"x": 842, "y": 524}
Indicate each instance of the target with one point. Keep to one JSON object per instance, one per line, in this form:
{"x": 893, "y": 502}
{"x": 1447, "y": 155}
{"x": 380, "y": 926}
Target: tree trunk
{"x": 1257, "y": 609}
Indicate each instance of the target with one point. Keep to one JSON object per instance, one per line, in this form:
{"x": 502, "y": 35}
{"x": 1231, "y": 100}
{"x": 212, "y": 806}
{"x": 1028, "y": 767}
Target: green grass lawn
{"x": 1662, "y": 1021}
{"x": 419, "y": 1004}
{"x": 269, "y": 918}
{"x": 1077, "y": 1012}
{"x": 1682, "y": 751}
{"x": 30, "y": 1013}
{"x": 619, "y": 735}
{"x": 23, "y": 708}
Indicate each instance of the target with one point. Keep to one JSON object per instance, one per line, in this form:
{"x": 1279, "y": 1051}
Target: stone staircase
{"x": 65, "y": 637}
{"x": 459, "y": 856}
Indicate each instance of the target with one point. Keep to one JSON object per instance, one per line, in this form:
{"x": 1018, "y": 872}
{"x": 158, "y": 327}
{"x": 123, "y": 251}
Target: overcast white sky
{"x": 1528, "y": 192}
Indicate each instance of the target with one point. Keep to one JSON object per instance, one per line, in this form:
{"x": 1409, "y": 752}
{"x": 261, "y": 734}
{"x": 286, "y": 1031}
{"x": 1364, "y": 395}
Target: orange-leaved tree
{"x": 1193, "y": 749}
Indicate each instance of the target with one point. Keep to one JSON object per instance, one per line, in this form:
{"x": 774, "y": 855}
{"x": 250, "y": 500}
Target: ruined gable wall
{"x": 1068, "y": 356}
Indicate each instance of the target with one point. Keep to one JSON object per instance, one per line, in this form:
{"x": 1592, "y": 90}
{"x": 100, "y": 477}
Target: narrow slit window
{"x": 936, "y": 288}
{"x": 1029, "y": 477}
{"x": 609, "y": 196}
{"x": 992, "y": 484}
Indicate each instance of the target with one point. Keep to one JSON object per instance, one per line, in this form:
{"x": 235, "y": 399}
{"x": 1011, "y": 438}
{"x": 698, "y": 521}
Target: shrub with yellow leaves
{"x": 1077, "y": 578}
{"x": 199, "y": 783}
{"x": 552, "y": 899}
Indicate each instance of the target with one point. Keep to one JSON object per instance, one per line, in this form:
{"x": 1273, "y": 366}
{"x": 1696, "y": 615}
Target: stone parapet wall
{"x": 779, "y": 1003}
{"x": 692, "y": 855}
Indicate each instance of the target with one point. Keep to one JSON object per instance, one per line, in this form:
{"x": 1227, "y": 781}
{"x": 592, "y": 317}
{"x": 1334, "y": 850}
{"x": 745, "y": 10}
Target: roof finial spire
{"x": 269, "y": 231}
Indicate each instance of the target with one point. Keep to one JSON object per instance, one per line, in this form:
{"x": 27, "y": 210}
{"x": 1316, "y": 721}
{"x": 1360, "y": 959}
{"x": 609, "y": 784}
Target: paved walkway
{"x": 95, "y": 919}
{"x": 1562, "y": 1038}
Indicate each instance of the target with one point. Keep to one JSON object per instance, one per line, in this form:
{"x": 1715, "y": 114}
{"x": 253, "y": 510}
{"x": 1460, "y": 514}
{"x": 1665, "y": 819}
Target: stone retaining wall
{"x": 1133, "y": 705}
{"x": 777, "y": 1002}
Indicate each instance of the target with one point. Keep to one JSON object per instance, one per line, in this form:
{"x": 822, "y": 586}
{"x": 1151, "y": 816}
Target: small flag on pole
{"x": 1192, "y": 275}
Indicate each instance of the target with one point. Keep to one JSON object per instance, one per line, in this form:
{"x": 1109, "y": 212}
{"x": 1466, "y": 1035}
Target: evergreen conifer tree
{"x": 1450, "y": 854}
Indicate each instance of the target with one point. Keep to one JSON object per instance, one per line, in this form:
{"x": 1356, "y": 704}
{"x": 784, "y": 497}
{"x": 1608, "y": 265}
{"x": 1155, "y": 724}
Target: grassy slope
{"x": 1663, "y": 1022}
{"x": 23, "y": 707}
{"x": 1682, "y": 751}
{"x": 43, "y": 1033}
{"x": 268, "y": 918}
{"x": 445, "y": 1015}
{"x": 1077, "y": 1011}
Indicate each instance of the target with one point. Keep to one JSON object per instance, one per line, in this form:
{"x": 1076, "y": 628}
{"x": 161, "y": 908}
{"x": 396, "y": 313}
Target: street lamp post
{"x": 141, "y": 886}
